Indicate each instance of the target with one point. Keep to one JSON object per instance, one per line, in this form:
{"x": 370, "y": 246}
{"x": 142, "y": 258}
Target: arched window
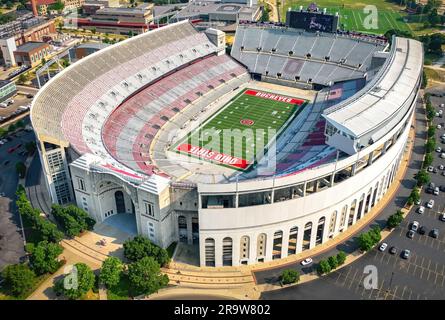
{"x": 333, "y": 222}
{"x": 277, "y": 244}
{"x": 210, "y": 252}
{"x": 227, "y": 251}
{"x": 307, "y": 236}
{"x": 320, "y": 229}
{"x": 352, "y": 212}
{"x": 343, "y": 217}
{"x": 293, "y": 236}
{"x": 182, "y": 228}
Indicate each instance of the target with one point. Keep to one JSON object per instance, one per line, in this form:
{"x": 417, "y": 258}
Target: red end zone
{"x": 272, "y": 96}
{"x": 206, "y": 154}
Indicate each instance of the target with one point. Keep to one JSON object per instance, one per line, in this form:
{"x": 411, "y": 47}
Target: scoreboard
{"x": 315, "y": 21}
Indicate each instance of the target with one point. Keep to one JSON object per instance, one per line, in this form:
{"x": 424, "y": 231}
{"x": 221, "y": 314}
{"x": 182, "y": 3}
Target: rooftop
{"x": 32, "y": 45}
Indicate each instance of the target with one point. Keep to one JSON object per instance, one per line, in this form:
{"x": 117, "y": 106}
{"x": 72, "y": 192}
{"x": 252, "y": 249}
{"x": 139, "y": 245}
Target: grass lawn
{"x": 245, "y": 126}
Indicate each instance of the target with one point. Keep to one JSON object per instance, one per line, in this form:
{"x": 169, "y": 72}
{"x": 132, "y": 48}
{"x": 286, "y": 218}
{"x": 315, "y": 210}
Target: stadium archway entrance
{"x": 118, "y": 210}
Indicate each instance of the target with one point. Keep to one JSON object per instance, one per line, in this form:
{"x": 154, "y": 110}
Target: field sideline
{"x": 244, "y": 127}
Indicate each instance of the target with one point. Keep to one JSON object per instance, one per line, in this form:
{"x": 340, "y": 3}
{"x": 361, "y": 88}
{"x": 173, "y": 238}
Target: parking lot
{"x": 421, "y": 276}
{"x": 21, "y": 100}
{"x": 11, "y": 241}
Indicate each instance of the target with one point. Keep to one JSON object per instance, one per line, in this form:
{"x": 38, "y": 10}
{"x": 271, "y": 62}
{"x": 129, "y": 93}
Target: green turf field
{"x": 352, "y": 15}
{"x": 242, "y": 128}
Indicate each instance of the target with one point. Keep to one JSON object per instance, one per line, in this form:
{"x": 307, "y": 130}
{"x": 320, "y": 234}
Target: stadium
{"x": 251, "y": 156}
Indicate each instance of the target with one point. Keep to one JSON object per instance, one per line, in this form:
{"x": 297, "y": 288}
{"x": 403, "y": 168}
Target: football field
{"x": 353, "y": 14}
{"x": 244, "y": 127}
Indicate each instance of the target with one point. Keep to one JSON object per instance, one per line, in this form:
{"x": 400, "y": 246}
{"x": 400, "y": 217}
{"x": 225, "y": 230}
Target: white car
{"x": 430, "y": 204}
{"x": 418, "y": 201}
{"x": 439, "y": 149}
{"x": 415, "y": 226}
{"x": 441, "y": 167}
{"x": 439, "y": 126}
{"x": 430, "y": 169}
{"x": 442, "y": 155}
{"x": 306, "y": 261}
{"x": 421, "y": 209}
{"x": 383, "y": 246}
{"x": 442, "y": 217}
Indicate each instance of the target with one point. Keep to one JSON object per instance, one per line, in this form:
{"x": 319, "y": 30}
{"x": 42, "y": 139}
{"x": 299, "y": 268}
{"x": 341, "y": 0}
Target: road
{"x": 11, "y": 240}
{"x": 420, "y": 277}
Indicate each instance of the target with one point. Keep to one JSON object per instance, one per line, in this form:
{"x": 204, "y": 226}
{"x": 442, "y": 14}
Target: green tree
{"x": 3, "y": 132}
{"x": 431, "y": 132}
{"x": 422, "y": 177}
{"x": 78, "y": 282}
{"x": 428, "y": 160}
{"x": 21, "y": 169}
{"x": 324, "y": 267}
{"x": 18, "y": 278}
{"x": 11, "y": 128}
{"x": 430, "y": 145}
{"x": 424, "y": 80}
{"x": 365, "y": 241}
{"x": 375, "y": 233}
{"x": 290, "y": 276}
{"x": 140, "y": 247}
{"x": 30, "y": 147}
{"x": 111, "y": 271}
{"x": 395, "y": 219}
{"x": 44, "y": 257}
{"x": 23, "y": 78}
{"x": 341, "y": 257}
{"x": 332, "y": 260}
{"x": 145, "y": 276}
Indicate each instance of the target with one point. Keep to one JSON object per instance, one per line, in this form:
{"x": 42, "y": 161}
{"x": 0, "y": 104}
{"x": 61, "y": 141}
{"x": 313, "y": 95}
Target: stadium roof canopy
{"x": 376, "y": 110}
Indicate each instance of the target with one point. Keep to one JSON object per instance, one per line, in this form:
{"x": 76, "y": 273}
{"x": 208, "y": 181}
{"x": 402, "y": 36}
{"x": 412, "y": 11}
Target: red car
{"x": 12, "y": 149}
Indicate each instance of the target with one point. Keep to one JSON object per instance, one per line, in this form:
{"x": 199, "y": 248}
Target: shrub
{"x": 19, "y": 278}
{"x": 323, "y": 267}
{"x": 290, "y": 276}
{"x": 332, "y": 260}
{"x": 140, "y": 247}
{"x": 341, "y": 257}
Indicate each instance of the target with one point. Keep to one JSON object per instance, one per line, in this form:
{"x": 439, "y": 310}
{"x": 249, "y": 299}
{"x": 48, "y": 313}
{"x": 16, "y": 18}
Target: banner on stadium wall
{"x": 273, "y": 96}
{"x": 210, "y": 155}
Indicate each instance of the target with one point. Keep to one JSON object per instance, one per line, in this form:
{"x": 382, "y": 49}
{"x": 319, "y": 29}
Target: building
{"x": 90, "y": 7}
{"x": 43, "y": 7}
{"x": 31, "y": 53}
{"x": 118, "y": 20}
{"x": 85, "y": 49}
{"x": 24, "y": 29}
{"x": 225, "y": 12}
{"x": 7, "y": 90}
{"x": 111, "y": 140}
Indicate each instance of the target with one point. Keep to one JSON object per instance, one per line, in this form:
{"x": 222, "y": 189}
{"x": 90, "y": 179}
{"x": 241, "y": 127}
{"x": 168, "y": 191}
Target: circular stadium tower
{"x": 253, "y": 156}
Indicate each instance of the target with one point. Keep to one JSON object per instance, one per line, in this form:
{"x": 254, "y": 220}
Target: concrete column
{"x": 269, "y": 245}
{"x": 253, "y": 239}
{"x": 202, "y": 256}
{"x": 218, "y": 251}
{"x": 285, "y": 243}
{"x": 236, "y": 250}
{"x": 313, "y": 234}
{"x": 300, "y": 234}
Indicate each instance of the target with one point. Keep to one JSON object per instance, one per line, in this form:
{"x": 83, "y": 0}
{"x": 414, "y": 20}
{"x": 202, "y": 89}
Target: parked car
{"x": 406, "y": 254}
{"x": 410, "y": 234}
{"x": 442, "y": 217}
{"x": 442, "y": 188}
{"x": 393, "y": 250}
{"x": 422, "y": 230}
{"x": 418, "y": 201}
{"x": 435, "y": 233}
{"x": 435, "y": 170}
{"x": 439, "y": 126}
{"x": 383, "y": 246}
{"x": 442, "y": 155}
{"x": 415, "y": 225}
{"x": 430, "y": 169}
{"x": 441, "y": 167}
{"x": 29, "y": 96}
{"x": 421, "y": 209}
{"x": 430, "y": 204}
{"x": 439, "y": 149}
{"x": 436, "y": 191}
{"x": 306, "y": 261}
{"x": 430, "y": 188}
